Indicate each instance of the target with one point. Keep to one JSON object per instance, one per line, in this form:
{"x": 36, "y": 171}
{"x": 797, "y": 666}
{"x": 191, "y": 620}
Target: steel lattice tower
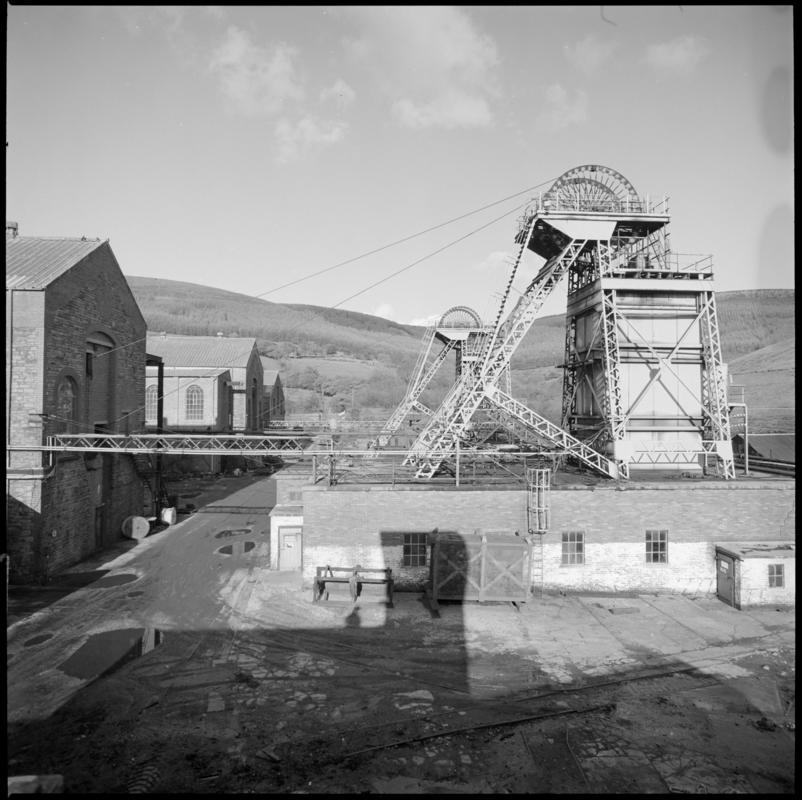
{"x": 644, "y": 381}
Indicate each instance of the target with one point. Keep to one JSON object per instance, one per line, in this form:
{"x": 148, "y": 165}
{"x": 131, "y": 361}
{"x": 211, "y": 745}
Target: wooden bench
{"x": 355, "y": 577}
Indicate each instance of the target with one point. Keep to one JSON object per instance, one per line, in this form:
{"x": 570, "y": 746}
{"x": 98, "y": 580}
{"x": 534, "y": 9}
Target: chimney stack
{"x": 12, "y": 230}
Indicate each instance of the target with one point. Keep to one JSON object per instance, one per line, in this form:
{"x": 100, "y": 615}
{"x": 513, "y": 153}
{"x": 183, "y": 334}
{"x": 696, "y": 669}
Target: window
{"x": 151, "y": 403}
{"x": 89, "y": 363}
{"x": 776, "y": 575}
{"x": 573, "y": 547}
{"x": 415, "y": 549}
{"x": 66, "y": 404}
{"x": 194, "y": 402}
{"x": 656, "y": 547}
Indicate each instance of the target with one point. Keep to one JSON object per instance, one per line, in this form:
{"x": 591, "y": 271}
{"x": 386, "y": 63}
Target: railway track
{"x": 768, "y": 465}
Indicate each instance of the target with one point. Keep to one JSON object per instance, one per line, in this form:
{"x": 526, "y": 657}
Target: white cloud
{"x": 590, "y": 54}
{"x": 436, "y": 68}
{"x": 496, "y": 262}
{"x": 257, "y": 80}
{"x": 680, "y": 56}
{"x": 340, "y": 92}
{"x": 384, "y": 310}
{"x": 293, "y": 138}
{"x": 424, "y": 321}
{"x": 562, "y": 110}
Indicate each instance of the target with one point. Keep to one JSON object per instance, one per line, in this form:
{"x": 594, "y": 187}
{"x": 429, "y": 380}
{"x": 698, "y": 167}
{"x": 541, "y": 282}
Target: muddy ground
{"x": 247, "y": 686}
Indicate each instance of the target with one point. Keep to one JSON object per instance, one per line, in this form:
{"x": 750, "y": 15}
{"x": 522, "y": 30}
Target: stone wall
{"x": 52, "y": 510}
{"x": 344, "y": 525}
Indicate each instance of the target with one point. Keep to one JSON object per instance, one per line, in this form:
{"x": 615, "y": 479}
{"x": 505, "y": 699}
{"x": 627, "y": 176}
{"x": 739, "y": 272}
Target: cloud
{"x": 424, "y": 321}
{"x": 340, "y": 93}
{"x": 431, "y": 62}
{"x": 562, "y": 110}
{"x": 293, "y": 138}
{"x": 496, "y": 262}
{"x": 257, "y": 80}
{"x": 590, "y": 54}
{"x": 680, "y": 56}
{"x": 384, "y": 310}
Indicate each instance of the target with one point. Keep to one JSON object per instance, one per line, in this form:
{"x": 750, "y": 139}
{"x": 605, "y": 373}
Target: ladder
{"x": 538, "y": 512}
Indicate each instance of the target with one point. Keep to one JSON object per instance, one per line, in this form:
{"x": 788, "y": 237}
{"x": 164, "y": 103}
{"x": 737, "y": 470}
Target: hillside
{"x": 357, "y": 360}
{"x": 768, "y": 376}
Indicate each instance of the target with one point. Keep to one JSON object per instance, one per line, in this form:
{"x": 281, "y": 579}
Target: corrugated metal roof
{"x": 201, "y": 351}
{"x": 270, "y": 377}
{"x": 187, "y": 372}
{"x": 33, "y": 263}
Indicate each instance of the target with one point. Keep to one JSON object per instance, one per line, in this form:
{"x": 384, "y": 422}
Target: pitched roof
{"x": 270, "y": 378}
{"x": 33, "y": 262}
{"x": 187, "y": 372}
{"x": 201, "y": 351}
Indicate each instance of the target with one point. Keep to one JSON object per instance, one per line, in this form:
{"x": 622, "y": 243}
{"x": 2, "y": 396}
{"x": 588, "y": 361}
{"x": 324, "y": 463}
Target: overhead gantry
{"x": 593, "y": 228}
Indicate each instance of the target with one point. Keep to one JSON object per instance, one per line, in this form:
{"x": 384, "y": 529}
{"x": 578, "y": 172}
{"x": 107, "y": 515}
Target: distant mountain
{"x": 352, "y": 358}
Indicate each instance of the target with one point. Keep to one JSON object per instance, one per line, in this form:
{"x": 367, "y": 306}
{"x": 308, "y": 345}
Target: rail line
{"x": 768, "y": 465}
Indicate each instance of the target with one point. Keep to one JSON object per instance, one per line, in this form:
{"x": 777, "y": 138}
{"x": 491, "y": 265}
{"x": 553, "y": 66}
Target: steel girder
{"x": 420, "y": 380}
{"x": 717, "y": 438}
{"x": 172, "y": 444}
{"x": 438, "y": 439}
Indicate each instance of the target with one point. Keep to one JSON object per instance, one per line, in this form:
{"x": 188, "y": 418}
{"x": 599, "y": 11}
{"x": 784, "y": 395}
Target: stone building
{"x": 660, "y": 535}
{"x": 75, "y": 363}
{"x": 206, "y": 356}
{"x": 273, "y": 409}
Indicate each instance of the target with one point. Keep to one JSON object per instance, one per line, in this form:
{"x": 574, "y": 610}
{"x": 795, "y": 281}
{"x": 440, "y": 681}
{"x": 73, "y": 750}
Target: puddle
{"x": 115, "y": 580}
{"x": 43, "y": 637}
{"x": 107, "y": 651}
{"x": 228, "y": 549}
{"x": 235, "y": 532}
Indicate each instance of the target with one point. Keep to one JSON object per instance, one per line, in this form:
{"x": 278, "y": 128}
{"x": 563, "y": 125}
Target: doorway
{"x": 725, "y": 579}
{"x": 290, "y": 548}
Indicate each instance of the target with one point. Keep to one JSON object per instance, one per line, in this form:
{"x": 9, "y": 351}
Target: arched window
{"x": 194, "y": 402}
{"x": 151, "y": 404}
{"x": 67, "y": 404}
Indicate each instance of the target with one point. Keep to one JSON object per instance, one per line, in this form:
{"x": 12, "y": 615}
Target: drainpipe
{"x": 159, "y": 431}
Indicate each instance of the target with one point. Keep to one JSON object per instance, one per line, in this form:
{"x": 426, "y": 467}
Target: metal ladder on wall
{"x": 538, "y": 513}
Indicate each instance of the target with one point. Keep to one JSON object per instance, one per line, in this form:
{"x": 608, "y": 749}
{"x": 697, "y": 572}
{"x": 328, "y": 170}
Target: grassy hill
{"x": 360, "y": 360}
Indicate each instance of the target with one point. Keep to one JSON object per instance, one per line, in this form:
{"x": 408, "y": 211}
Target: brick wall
{"x": 345, "y": 524}
{"x": 51, "y": 524}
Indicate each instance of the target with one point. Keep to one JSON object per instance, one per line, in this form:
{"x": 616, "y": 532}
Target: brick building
{"x": 75, "y": 363}
{"x": 273, "y": 399}
{"x": 639, "y": 536}
{"x": 205, "y": 357}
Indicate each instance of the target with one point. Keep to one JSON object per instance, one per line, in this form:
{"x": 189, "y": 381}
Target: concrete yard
{"x": 172, "y": 665}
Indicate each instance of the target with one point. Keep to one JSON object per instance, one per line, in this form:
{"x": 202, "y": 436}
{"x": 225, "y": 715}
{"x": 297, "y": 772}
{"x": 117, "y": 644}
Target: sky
{"x": 248, "y": 148}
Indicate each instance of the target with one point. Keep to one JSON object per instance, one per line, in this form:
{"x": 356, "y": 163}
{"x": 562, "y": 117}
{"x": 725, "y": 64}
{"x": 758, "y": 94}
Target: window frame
{"x": 414, "y": 551}
{"x": 573, "y": 549}
{"x": 656, "y": 547}
{"x": 152, "y": 397}
{"x": 193, "y": 410}
{"x": 775, "y": 572}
